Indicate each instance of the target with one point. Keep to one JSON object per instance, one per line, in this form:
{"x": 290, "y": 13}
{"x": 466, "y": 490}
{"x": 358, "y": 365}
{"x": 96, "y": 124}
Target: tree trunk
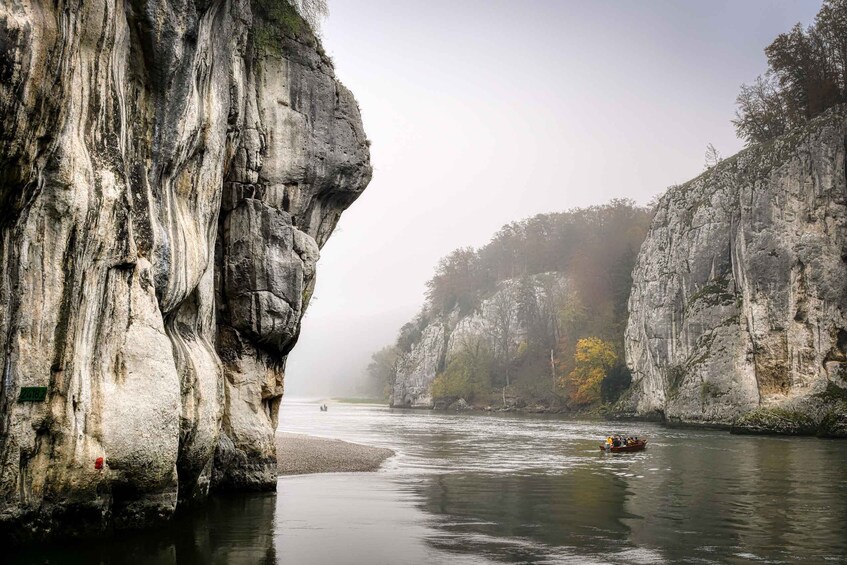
{"x": 553, "y": 366}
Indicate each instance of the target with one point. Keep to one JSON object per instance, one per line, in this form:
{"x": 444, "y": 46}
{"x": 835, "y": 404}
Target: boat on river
{"x": 635, "y": 445}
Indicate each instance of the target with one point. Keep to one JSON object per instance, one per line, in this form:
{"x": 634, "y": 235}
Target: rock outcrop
{"x": 496, "y": 324}
{"x": 168, "y": 172}
{"x": 738, "y": 311}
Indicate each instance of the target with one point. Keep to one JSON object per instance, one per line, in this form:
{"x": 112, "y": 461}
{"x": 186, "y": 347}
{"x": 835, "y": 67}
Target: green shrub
{"x": 276, "y": 19}
{"x": 468, "y": 374}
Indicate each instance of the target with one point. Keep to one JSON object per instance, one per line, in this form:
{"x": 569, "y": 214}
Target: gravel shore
{"x": 297, "y": 454}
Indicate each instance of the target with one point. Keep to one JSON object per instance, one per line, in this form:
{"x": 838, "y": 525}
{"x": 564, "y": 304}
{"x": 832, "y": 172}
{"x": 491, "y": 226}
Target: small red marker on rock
{"x": 98, "y": 463}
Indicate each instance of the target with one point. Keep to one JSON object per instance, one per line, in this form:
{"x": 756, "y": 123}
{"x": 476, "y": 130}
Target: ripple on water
{"x": 503, "y": 488}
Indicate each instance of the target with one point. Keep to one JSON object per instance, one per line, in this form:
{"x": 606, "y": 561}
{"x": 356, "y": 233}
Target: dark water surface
{"x": 474, "y": 488}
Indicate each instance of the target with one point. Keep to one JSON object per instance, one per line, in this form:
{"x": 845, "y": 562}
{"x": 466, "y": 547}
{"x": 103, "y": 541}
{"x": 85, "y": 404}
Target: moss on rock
{"x": 276, "y": 20}
{"x": 834, "y": 424}
{"x": 775, "y": 421}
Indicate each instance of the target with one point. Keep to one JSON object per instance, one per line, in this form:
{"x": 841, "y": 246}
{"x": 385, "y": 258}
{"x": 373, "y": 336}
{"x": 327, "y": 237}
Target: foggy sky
{"x": 485, "y": 112}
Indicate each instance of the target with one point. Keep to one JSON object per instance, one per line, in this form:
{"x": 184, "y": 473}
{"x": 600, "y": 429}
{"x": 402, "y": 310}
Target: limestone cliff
{"x": 738, "y": 311}
{"x": 434, "y": 340}
{"x": 168, "y": 172}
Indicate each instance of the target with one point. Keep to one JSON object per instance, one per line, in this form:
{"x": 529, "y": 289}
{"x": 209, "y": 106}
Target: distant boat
{"x": 637, "y": 445}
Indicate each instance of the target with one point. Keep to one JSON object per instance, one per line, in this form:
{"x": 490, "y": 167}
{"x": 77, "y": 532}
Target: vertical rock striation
{"x": 738, "y": 311}
{"x": 434, "y": 340}
{"x": 168, "y": 172}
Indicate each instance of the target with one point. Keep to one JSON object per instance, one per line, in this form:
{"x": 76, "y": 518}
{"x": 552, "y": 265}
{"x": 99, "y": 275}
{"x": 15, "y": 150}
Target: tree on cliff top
{"x": 761, "y": 113}
{"x": 313, "y": 11}
{"x": 807, "y": 74}
{"x": 590, "y": 244}
{"x": 457, "y": 283}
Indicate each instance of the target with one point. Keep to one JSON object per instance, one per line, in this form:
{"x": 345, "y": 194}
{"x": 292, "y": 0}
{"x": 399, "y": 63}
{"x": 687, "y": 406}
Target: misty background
{"x": 485, "y": 112}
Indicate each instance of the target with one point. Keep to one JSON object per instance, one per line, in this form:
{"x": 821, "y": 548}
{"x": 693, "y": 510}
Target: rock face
{"x": 496, "y": 323}
{"x": 739, "y": 303}
{"x": 168, "y": 173}
{"x": 417, "y": 368}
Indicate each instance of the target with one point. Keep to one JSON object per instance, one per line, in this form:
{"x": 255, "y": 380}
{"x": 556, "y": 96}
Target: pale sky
{"x": 485, "y": 112}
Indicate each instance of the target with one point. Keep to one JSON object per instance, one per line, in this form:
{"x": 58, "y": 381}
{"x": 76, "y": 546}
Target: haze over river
{"x": 479, "y": 488}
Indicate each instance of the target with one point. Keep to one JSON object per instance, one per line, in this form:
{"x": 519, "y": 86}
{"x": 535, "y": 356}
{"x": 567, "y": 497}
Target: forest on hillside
{"x": 569, "y": 336}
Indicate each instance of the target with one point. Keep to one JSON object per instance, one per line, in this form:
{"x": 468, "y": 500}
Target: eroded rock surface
{"x": 496, "y": 324}
{"x": 168, "y": 173}
{"x": 739, "y": 299}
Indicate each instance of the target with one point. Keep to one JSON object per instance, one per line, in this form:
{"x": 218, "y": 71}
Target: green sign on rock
{"x": 33, "y": 394}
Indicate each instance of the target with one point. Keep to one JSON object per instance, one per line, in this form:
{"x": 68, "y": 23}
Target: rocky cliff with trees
{"x": 737, "y": 313}
{"x": 169, "y": 173}
{"x": 519, "y": 321}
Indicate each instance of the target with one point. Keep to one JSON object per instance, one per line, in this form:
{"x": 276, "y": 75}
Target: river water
{"x": 481, "y": 488}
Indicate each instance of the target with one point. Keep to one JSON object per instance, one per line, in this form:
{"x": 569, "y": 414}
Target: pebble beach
{"x": 299, "y": 454}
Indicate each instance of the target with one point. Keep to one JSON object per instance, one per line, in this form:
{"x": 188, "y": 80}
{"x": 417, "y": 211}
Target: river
{"x": 504, "y": 488}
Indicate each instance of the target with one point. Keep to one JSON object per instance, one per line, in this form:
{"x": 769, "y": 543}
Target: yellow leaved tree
{"x": 593, "y": 359}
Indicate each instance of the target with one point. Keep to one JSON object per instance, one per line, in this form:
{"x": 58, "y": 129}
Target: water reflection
{"x": 731, "y": 498}
{"x": 229, "y": 529}
{"x": 487, "y": 514}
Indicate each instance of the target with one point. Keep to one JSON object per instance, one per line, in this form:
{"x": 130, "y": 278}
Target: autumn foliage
{"x": 593, "y": 360}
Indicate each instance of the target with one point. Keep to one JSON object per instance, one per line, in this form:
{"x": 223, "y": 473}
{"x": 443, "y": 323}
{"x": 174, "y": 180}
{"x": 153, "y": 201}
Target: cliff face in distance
{"x": 738, "y": 312}
{"x": 168, "y": 173}
{"x": 496, "y": 326}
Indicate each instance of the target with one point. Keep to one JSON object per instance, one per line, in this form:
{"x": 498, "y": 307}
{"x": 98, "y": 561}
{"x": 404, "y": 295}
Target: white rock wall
{"x": 168, "y": 172}
{"x": 739, "y": 295}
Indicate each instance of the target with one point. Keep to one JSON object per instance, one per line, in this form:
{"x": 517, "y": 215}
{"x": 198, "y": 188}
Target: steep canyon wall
{"x": 738, "y": 311}
{"x": 169, "y": 170}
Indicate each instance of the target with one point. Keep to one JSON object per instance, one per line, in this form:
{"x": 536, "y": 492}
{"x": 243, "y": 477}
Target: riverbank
{"x": 827, "y": 420}
{"x": 298, "y": 454}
